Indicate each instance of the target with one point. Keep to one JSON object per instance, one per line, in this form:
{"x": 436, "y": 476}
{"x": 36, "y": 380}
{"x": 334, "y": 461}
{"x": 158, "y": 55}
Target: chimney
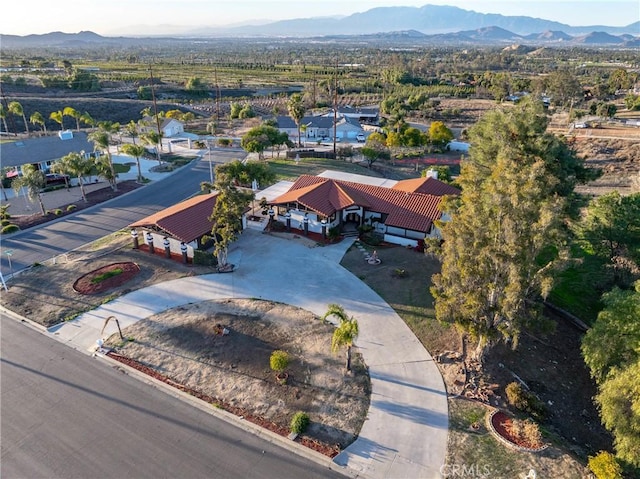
{"x": 432, "y": 174}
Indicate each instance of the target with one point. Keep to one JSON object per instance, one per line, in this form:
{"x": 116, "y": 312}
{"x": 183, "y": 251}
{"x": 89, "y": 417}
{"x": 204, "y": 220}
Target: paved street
{"x": 58, "y": 237}
{"x": 66, "y": 414}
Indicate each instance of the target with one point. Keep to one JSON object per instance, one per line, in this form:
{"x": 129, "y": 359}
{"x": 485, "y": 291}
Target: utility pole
{"x": 155, "y": 105}
{"x": 215, "y": 73}
{"x": 335, "y": 110}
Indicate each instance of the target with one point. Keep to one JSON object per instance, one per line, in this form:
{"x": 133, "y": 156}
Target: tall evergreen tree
{"x": 505, "y": 236}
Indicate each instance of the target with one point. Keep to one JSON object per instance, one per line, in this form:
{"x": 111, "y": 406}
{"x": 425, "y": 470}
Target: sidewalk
{"x": 405, "y": 433}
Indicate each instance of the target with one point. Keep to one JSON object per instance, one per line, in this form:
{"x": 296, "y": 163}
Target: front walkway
{"x": 405, "y": 433}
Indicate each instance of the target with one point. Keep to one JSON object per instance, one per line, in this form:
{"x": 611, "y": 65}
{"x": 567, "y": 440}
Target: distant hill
{"x": 429, "y": 19}
{"x": 599, "y": 38}
{"x": 549, "y": 36}
{"x": 430, "y": 24}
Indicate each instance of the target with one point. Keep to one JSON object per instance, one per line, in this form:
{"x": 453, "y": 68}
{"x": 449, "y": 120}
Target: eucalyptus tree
{"x": 15, "y": 108}
{"x": 506, "y": 235}
{"x": 34, "y": 181}
{"x": 610, "y": 350}
{"x": 136, "y": 151}
{"x": 79, "y": 165}
{"x": 37, "y": 119}
{"x": 296, "y": 110}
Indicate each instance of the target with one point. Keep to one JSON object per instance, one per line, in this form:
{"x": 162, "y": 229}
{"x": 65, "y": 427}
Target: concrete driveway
{"x": 405, "y": 433}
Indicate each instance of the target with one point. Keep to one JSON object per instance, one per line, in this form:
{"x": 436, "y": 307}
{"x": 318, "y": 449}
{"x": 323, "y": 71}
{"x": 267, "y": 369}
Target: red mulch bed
{"x": 325, "y": 449}
{"x": 500, "y": 422}
{"x": 86, "y": 285}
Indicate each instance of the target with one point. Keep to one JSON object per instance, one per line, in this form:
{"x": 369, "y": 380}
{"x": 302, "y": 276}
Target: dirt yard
{"x": 183, "y": 345}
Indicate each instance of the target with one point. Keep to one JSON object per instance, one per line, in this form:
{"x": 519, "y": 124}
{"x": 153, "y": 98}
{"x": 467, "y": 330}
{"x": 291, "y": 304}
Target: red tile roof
{"x": 405, "y": 207}
{"x": 427, "y": 186}
{"x": 185, "y": 221}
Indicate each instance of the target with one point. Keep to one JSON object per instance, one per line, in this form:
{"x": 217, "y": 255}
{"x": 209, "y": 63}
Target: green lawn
{"x": 290, "y": 170}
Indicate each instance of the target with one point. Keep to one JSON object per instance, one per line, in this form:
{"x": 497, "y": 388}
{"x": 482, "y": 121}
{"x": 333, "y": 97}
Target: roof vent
{"x": 65, "y": 135}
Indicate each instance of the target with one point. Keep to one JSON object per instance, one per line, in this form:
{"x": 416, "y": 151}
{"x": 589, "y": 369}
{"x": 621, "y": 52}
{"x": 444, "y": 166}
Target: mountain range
{"x": 427, "y": 24}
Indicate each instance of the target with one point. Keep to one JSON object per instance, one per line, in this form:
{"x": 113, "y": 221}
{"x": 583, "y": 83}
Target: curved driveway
{"x": 405, "y": 433}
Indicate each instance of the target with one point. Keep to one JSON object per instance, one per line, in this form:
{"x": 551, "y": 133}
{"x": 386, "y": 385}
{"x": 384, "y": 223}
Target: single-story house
{"x": 169, "y": 127}
{"x": 314, "y": 128}
{"x": 404, "y": 212}
{"x": 43, "y": 151}
{"x": 185, "y": 222}
{"x": 369, "y": 116}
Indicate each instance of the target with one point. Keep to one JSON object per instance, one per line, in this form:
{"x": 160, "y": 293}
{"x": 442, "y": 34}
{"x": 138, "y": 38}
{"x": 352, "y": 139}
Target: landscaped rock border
{"x": 504, "y": 440}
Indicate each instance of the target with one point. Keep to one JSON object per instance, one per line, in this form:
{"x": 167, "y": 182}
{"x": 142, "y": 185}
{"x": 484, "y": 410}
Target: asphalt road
{"x": 52, "y": 239}
{"x": 67, "y": 415}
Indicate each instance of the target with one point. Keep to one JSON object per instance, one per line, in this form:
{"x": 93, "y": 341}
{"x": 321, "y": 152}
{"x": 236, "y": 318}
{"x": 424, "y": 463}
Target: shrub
{"x": 279, "y": 360}
{"x": 526, "y": 431}
{"x": 516, "y": 396}
{"x": 109, "y": 274}
{"x": 299, "y": 422}
{"x": 4, "y": 214}
{"x": 71, "y": 207}
{"x": 9, "y": 229}
{"x": 525, "y": 401}
{"x": 5, "y": 222}
{"x": 204, "y": 258}
{"x": 57, "y": 212}
{"x": 605, "y": 466}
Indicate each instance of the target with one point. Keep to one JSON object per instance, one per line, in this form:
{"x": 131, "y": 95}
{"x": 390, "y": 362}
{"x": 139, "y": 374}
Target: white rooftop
{"x": 354, "y": 178}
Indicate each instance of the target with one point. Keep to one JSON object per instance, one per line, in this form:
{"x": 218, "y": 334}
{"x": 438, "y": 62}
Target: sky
{"x": 116, "y": 17}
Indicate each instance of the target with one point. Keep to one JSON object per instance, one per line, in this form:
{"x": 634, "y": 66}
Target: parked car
{"x": 53, "y": 179}
{"x": 360, "y": 138}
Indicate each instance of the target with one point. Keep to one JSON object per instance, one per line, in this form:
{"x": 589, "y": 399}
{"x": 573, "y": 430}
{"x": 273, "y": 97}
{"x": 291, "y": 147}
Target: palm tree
{"x": 346, "y": 332}
{"x": 101, "y": 140}
{"x": 104, "y": 168}
{"x": 136, "y": 151}
{"x": 60, "y": 167}
{"x": 87, "y": 119}
{"x": 296, "y": 110}
{"x": 16, "y": 109}
{"x": 3, "y": 115}
{"x": 34, "y": 181}
{"x": 37, "y": 119}
{"x": 78, "y": 165}
{"x": 152, "y": 138}
{"x": 73, "y": 113}
{"x": 131, "y": 130}
{"x": 58, "y": 117}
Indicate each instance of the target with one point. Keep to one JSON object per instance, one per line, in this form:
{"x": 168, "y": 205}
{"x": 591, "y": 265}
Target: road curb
{"x": 232, "y": 419}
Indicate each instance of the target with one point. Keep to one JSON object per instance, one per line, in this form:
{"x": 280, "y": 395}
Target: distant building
{"x": 43, "y": 151}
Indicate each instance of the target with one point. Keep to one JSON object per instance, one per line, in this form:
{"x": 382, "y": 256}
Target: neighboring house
{"x": 43, "y": 151}
{"x": 404, "y": 212}
{"x": 318, "y": 127}
{"x": 169, "y": 127}
{"x": 186, "y": 222}
{"x": 370, "y": 116}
